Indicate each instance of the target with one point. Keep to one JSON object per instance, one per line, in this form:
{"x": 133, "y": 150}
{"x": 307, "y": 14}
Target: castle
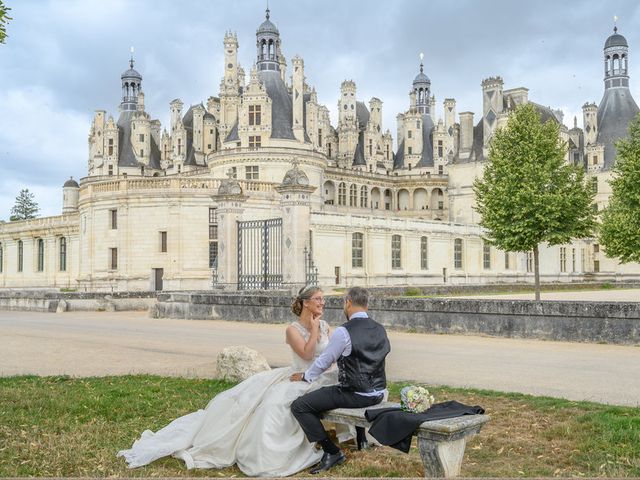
{"x": 257, "y": 190}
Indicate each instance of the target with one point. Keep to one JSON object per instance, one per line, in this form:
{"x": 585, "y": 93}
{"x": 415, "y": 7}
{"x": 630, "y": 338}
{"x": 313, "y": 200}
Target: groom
{"x": 359, "y": 347}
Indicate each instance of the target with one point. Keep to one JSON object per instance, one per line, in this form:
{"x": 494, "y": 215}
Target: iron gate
{"x": 260, "y": 254}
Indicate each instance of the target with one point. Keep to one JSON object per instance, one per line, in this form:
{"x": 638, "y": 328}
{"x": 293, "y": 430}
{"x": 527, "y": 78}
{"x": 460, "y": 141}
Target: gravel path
{"x": 97, "y": 344}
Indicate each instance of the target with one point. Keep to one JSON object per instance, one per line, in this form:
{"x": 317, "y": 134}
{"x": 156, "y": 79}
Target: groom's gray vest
{"x": 363, "y": 369}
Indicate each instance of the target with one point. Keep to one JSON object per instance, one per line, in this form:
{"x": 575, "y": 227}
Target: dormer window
{"x": 255, "y": 114}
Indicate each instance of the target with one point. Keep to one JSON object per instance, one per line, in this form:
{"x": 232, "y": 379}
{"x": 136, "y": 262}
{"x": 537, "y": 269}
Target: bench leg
{"x": 441, "y": 459}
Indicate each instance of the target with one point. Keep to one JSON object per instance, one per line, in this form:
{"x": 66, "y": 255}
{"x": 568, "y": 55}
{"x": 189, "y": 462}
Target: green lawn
{"x": 59, "y": 426}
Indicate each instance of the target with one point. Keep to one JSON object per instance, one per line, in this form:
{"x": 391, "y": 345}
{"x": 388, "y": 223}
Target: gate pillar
{"x": 230, "y": 200}
{"x": 296, "y": 215}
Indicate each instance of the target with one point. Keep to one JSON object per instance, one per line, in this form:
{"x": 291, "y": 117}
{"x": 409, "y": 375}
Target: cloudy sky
{"x": 63, "y": 60}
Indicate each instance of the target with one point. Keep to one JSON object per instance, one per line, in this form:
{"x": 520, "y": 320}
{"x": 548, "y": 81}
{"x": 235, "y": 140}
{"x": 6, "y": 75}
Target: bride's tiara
{"x": 304, "y": 290}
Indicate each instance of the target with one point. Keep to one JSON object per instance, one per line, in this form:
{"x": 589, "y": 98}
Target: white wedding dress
{"x": 250, "y": 425}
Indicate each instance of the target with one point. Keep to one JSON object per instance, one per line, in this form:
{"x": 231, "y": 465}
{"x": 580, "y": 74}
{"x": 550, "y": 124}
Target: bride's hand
{"x": 296, "y": 377}
{"x": 315, "y": 324}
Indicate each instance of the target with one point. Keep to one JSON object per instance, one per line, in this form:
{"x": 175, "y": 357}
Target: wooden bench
{"x": 441, "y": 442}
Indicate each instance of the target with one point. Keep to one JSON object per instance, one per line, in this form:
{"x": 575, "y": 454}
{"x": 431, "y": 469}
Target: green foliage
{"x": 4, "y": 19}
{"x": 529, "y": 194}
{"x": 25, "y": 207}
{"x": 620, "y": 229}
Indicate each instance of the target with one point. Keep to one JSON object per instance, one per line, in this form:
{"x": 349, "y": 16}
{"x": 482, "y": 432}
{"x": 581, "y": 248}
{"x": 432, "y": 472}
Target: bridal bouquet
{"x": 415, "y": 398}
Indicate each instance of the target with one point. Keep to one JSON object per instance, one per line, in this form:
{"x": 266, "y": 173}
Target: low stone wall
{"x": 616, "y": 323}
{"x": 417, "y": 290}
{"x": 55, "y": 301}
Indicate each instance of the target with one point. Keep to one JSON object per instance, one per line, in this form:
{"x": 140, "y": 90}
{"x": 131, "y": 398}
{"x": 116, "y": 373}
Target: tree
{"x": 529, "y": 194}
{"x": 25, "y": 208}
{"x": 4, "y": 18}
{"x": 620, "y": 228}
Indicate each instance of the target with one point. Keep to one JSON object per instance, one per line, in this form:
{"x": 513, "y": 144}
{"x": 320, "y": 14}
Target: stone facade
{"x": 184, "y": 207}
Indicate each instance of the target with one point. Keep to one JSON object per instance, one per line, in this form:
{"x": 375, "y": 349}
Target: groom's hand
{"x": 297, "y": 377}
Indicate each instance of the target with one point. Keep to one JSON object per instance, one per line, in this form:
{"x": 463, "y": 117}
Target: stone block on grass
{"x": 237, "y": 363}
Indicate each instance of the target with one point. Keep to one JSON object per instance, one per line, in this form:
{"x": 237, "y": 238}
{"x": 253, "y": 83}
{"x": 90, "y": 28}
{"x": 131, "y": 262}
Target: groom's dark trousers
{"x": 308, "y": 409}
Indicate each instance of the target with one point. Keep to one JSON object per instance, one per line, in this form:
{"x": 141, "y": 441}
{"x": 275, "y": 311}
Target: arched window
{"x": 20, "y": 255}
{"x": 387, "y": 199}
{"x": 40, "y": 255}
{"x": 63, "y": 254}
{"x": 329, "y": 193}
{"x": 353, "y": 196}
{"x": 396, "y": 252}
{"x": 357, "y": 250}
{"x": 364, "y": 196}
{"x": 437, "y": 199}
{"x": 457, "y": 253}
{"x": 403, "y": 199}
{"x": 424, "y": 253}
{"x": 271, "y": 50}
{"x": 342, "y": 194}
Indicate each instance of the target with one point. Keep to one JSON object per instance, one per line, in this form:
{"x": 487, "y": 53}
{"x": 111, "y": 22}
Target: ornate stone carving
{"x": 295, "y": 177}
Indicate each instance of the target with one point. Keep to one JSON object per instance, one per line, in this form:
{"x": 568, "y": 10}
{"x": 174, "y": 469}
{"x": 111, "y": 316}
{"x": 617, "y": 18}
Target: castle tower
{"x": 268, "y": 45}
{"x": 230, "y": 62}
{"x": 230, "y": 88}
{"x": 492, "y": 103}
{"x": 616, "y": 57}
{"x": 298, "y": 98}
{"x": 347, "y": 123}
{"x": 131, "y": 86}
{"x": 422, "y": 90}
{"x": 589, "y": 121}
{"x": 617, "y": 107}
{"x": 375, "y": 118}
{"x": 347, "y": 102}
{"x": 70, "y": 195}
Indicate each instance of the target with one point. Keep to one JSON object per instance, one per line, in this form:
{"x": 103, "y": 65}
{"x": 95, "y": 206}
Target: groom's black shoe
{"x": 329, "y": 460}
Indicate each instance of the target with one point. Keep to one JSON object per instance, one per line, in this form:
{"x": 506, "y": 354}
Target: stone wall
{"x": 616, "y": 323}
{"x": 53, "y": 301}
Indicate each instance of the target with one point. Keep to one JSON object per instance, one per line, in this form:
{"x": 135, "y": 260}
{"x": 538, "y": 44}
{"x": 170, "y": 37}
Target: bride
{"x": 251, "y": 424}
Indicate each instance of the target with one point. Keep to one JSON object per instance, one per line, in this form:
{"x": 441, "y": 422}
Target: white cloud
{"x": 41, "y": 145}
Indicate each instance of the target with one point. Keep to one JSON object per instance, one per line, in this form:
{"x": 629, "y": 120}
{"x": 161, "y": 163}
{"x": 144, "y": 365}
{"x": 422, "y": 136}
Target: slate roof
{"x": 426, "y": 160}
{"x": 616, "y": 40}
{"x": 126, "y": 157}
{"x": 71, "y": 183}
{"x": 362, "y": 114}
{"x": 281, "y": 104}
{"x": 617, "y": 108}
{"x": 398, "y": 158}
{"x": 358, "y": 156}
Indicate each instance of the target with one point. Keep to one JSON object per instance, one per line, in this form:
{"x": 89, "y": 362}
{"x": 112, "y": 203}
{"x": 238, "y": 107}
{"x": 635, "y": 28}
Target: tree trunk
{"x": 536, "y": 270}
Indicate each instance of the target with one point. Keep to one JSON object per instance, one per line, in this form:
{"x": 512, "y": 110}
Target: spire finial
{"x": 615, "y": 27}
{"x": 131, "y": 61}
{"x": 421, "y": 59}
{"x": 575, "y": 122}
{"x": 267, "y": 11}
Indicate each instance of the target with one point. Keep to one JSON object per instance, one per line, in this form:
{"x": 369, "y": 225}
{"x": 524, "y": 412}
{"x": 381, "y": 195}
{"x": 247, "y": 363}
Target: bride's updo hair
{"x": 305, "y": 293}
